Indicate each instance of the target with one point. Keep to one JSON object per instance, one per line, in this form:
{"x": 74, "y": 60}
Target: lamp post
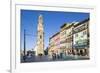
{"x": 24, "y": 57}
{"x": 25, "y": 34}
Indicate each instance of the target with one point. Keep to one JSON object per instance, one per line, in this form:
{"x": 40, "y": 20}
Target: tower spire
{"x": 40, "y": 23}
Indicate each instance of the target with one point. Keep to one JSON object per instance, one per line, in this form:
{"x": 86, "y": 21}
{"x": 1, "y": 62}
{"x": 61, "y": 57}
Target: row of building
{"x": 73, "y": 38}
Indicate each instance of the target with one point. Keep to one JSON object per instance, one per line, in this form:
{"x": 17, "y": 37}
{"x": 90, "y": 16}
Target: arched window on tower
{"x": 40, "y": 37}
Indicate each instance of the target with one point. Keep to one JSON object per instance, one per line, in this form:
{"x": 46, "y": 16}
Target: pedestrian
{"x": 52, "y": 56}
{"x": 61, "y": 55}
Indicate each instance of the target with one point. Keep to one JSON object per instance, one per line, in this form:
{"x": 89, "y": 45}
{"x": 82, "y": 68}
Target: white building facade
{"x": 81, "y": 38}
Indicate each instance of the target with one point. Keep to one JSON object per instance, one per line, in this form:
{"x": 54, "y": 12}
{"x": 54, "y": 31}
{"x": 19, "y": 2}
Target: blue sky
{"x": 52, "y": 22}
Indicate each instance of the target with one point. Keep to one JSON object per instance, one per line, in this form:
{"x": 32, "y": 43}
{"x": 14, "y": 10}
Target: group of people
{"x": 56, "y": 56}
{"x": 64, "y": 54}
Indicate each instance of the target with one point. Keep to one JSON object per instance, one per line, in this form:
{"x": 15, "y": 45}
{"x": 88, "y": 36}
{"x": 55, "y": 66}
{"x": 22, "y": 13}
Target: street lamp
{"x": 24, "y": 57}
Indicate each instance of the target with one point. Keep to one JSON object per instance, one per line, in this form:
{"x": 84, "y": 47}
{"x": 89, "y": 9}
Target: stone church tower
{"x": 40, "y": 36}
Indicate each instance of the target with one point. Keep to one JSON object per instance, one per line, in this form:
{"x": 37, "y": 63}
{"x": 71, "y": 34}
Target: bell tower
{"x": 40, "y": 36}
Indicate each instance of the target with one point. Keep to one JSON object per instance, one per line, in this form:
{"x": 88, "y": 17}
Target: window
{"x": 40, "y": 36}
{"x": 76, "y": 35}
{"x": 85, "y": 32}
